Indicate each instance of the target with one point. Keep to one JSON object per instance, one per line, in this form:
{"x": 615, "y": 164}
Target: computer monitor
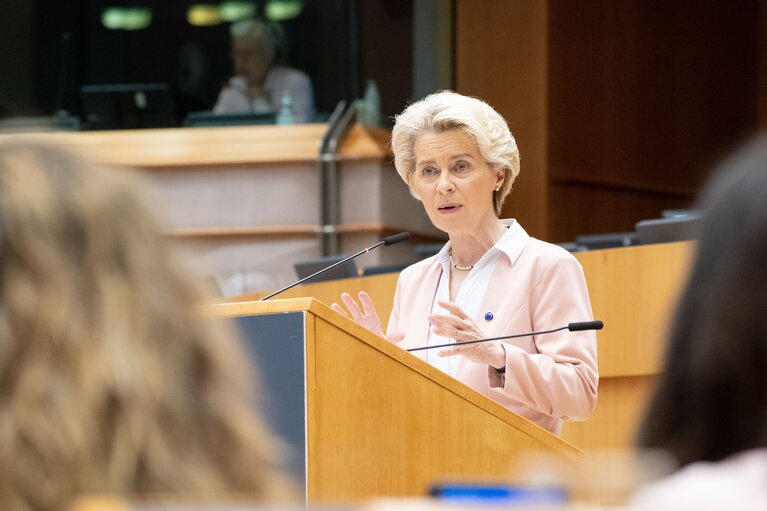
{"x": 127, "y": 106}
{"x": 606, "y": 240}
{"x": 208, "y": 119}
{"x": 665, "y": 230}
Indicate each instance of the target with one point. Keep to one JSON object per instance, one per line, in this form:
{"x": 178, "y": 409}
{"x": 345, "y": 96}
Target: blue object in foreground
{"x": 497, "y": 494}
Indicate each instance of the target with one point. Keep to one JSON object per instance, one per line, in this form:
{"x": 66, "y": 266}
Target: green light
{"x": 281, "y": 10}
{"x": 236, "y": 11}
{"x": 126, "y": 18}
{"x": 137, "y": 19}
{"x": 112, "y": 18}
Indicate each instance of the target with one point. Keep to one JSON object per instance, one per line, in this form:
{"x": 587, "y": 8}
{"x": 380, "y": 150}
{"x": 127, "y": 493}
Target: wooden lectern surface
{"x": 383, "y": 422}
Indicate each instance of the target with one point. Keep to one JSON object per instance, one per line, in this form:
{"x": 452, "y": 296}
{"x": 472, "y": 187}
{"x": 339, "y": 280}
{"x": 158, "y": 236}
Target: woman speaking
{"x": 491, "y": 278}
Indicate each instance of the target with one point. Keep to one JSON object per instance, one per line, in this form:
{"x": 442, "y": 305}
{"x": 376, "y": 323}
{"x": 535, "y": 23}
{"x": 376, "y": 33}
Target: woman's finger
{"x": 455, "y": 334}
{"x": 354, "y": 309}
{"x": 450, "y": 352}
{"x": 453, "y": 309}
{"x": 367, "y": 304}
{"x": 449, "y": 321}
{"x": 334, "y": 306}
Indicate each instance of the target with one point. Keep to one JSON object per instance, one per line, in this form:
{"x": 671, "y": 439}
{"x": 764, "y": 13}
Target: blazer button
{"x": 488, "y": 316}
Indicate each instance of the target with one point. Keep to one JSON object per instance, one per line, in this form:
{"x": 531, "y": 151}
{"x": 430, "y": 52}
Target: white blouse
{"x": 472, "y": 292}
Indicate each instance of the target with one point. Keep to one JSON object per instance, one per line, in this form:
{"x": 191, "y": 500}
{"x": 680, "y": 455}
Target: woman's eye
{"x": 462, "y": 167}
{"x": 429, "y": 171}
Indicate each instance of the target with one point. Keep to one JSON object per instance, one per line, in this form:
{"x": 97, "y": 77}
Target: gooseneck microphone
{"x": 388, "y": 241}
{"x": 573, "y": 327}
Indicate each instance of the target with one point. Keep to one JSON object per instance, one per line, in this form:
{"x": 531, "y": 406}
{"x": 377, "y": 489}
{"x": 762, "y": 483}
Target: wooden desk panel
{"x": 175, "y": 148}
{"x": 633, "y": 290}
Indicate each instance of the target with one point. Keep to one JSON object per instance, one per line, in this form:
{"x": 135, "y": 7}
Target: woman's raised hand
{"x": 367, "y": 316}
{"x": 460, "y": 327}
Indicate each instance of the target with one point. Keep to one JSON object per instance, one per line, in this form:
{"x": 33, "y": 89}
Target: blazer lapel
{"x": 495, "y": 301}
{"x": 425, "y": 292}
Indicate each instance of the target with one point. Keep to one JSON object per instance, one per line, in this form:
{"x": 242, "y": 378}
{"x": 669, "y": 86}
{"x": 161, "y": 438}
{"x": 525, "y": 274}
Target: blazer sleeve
{"x": 561, "y": 379}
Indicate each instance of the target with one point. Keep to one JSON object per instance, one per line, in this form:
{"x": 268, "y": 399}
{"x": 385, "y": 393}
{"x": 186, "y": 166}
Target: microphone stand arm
{"x": 342, "y": 261}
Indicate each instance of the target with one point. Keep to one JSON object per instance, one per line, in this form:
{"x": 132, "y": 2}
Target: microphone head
{"x": 396, "y": 238}
{"x": 585, "y": 325}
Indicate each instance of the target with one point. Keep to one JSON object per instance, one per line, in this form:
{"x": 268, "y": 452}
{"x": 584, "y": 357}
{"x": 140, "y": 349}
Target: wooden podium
{"x": 365, "y": 418}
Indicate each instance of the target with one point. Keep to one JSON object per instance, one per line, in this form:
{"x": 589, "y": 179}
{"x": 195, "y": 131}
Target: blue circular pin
{"x": 488, "y": 316}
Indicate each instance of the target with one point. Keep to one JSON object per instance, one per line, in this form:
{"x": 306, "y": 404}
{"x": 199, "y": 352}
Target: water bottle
{"x": 372, "y": 105}
{"x": 286, "y": 115}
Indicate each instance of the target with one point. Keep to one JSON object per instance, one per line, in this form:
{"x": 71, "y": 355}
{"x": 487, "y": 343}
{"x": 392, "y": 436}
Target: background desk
{"x": 245, "y": 200}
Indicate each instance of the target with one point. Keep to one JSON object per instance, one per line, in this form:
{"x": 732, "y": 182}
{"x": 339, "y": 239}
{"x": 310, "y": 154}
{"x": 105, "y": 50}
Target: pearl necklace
{"x": 462, "y": 268}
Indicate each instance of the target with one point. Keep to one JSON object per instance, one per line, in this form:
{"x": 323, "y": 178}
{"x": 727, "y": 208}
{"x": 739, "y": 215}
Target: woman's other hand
{"x": 460, "y": 327}
{"x": 367, "y": 316}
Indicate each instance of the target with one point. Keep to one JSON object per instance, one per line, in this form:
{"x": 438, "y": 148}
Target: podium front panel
{"x": 276, "y": 346}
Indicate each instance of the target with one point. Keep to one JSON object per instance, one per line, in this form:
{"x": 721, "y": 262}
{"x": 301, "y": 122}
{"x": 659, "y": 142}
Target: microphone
{"x": 388, "y": 241}
{"x": 573, "y": 327}
{"x": 391, "y": 240}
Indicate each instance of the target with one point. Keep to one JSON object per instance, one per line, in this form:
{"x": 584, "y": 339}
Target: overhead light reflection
{"x": 236, "y": 11}
{"x": 204, "y": 15}
{"x": 126, "y": 18}
{"x": 282, "y": 10}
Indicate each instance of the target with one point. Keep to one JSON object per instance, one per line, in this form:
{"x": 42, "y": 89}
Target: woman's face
{"x": 251, "y": 60}
{"x": 454, "y": 181}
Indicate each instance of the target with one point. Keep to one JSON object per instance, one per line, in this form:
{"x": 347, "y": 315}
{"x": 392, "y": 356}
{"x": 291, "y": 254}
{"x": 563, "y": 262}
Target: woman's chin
{"x": 449, "y": 224}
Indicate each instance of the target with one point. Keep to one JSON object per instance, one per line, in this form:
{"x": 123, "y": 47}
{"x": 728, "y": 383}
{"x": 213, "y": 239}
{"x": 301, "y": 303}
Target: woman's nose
{"x": 445, "y": 183}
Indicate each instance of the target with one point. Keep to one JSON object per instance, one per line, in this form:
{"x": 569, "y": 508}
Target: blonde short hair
{"x": 445, "y": 111}
{"x": 267, "y": 36}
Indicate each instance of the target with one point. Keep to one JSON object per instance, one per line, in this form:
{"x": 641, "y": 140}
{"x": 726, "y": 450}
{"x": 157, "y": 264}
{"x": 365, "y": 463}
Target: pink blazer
{"x": 548, "y": 378}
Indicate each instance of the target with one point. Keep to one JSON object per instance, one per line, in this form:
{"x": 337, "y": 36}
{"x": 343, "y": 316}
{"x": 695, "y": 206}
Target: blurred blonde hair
{"x": 110, "y": 380}
{"x": 445, "y": 111}
{"x": 266, "y": 35}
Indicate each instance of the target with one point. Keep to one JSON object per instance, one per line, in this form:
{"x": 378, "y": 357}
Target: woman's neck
{"x": 468, "y": 247}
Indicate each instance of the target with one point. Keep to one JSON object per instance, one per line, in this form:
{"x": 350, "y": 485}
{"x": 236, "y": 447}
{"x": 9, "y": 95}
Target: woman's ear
{"x": 500, "y": 177}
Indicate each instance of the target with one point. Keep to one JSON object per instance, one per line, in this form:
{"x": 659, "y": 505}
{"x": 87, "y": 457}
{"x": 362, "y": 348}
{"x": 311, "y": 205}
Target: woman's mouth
{"x": 447, "y": 209}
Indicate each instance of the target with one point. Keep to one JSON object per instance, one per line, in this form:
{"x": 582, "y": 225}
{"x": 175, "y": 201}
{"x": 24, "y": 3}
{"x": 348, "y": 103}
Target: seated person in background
{"x": 111, "y": 381}
{"x": 458, "y": 157}
{"x": 260, "y": 84}
{"x": 709, "y": 410}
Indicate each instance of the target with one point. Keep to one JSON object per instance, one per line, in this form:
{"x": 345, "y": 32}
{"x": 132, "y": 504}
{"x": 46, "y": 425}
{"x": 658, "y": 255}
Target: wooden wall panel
{"x": 647, "y": 95}
{"x": 614, "y": 423}
{"x": 649, "y": 90}
{"x": 583, "y": 208}
{"x": 634, "y": 95}
{"x": 501, "y": 58}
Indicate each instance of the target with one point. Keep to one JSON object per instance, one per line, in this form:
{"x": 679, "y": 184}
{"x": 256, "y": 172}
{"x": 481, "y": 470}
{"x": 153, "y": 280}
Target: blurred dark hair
{"x": 711, "y": 400}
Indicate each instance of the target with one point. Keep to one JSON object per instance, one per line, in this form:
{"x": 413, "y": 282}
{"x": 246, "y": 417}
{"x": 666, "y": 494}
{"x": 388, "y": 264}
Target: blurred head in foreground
{"x": 110, "y": 380}
{"x": 711, "y": 401}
